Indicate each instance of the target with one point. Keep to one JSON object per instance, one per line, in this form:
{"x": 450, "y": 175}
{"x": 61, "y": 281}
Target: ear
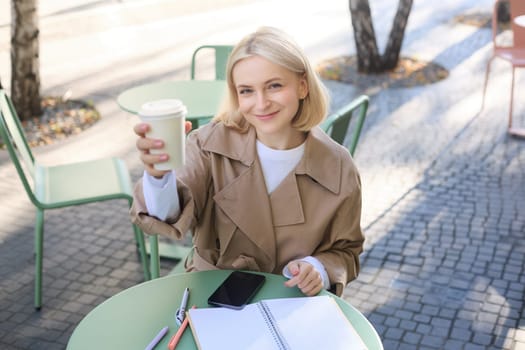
{"x": 303, "y": 87}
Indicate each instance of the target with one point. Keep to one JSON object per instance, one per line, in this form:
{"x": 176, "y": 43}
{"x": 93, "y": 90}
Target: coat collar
{"x": 322, "y": 161}
{"x": 230, "y": 143}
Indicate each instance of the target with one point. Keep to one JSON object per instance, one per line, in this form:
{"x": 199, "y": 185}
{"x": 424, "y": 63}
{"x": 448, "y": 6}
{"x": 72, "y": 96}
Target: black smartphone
{"x": 236, "y": 290}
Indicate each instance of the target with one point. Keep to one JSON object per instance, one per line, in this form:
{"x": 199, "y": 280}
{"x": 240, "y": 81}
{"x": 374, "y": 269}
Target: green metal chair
{"x": 222, "y": 52}
{"x": 337, "y": 124}
{"x": 59, "y": 186}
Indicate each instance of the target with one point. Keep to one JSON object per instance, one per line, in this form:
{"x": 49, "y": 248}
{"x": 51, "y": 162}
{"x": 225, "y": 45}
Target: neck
{"x": 294, "y": 139}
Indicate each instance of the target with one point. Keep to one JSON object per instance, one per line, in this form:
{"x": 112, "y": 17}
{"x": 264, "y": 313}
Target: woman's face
{"x": 268, "y": 96}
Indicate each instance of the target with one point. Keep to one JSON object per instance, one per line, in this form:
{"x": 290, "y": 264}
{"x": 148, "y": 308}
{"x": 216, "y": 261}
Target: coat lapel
{"x": 322, "y": 160}
{"x": 321, "y": 164}
{"x": 247, "y": 192}
{"x": 286, "y": 205}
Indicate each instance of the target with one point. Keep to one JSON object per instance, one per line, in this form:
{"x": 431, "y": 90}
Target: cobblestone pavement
{"x": 443, "y": 185}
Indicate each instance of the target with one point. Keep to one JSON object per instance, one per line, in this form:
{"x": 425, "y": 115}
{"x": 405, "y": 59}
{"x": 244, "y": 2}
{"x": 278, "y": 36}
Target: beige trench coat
{"x": 236, "y": 224}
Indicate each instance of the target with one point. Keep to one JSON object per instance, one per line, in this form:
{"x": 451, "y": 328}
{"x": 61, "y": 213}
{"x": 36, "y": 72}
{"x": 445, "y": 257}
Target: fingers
{"x": 149, "y": 161}
{"x": 305, "y": 277}
{"x": 313, "y": 287}
{"x": 141, "y": 129}
{"x": 188, "y": 126}
{"x": 145, "y": 145}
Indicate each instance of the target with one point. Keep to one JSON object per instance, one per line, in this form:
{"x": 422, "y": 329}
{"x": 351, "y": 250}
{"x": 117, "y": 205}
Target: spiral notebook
{"x": 280, "y": 324}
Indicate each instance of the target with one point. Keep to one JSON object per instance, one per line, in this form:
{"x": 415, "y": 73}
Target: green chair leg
{"x": 39, "y": 252}
{"x": 139, "y": 238}
{"x": 154, "y": 256}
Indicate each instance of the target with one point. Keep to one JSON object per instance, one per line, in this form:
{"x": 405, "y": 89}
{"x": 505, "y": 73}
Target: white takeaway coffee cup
{"x": 166, "y": 119}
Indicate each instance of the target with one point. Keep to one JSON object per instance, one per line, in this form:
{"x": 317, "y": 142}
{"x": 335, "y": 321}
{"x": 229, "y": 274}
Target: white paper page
{"x": 222, "y": 328}
{"x": 314, "y": 323}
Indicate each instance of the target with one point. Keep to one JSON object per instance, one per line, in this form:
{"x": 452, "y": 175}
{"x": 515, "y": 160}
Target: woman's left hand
{"x": 305, "y": 277}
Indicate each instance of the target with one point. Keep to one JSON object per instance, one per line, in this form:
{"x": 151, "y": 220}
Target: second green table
{"x": 202, "y": 98}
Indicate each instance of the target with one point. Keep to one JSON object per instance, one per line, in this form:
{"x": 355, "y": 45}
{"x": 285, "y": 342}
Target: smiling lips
{"x": 266, "y": 116}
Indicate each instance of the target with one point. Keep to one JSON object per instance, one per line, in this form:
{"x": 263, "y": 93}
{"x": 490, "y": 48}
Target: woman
{"x": 263, "y": 187}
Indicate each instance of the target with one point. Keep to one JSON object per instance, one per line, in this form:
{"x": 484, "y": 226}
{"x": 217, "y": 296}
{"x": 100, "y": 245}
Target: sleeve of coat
{"x": 340, "y": 250}
{"x": 197, "y": 171}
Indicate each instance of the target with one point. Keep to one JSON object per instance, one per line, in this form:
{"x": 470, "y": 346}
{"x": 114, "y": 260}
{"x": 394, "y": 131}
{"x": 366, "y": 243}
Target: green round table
{"x": 131, "y": 319}
{"x": 201, "y": 97}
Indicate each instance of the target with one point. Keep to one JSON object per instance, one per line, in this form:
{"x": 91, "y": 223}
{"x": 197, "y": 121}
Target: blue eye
{"x": 244, "y": 91}
{"x": 275, "y": 85}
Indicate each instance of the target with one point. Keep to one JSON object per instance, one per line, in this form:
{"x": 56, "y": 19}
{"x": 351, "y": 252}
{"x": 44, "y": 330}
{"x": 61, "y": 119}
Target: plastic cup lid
{"x": 162, "y": 108}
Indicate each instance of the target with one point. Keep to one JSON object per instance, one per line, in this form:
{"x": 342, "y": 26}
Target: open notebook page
{"x": 314, "y": 323}
{"x": 223, "y": 328}
{"x": 304, "y": 323}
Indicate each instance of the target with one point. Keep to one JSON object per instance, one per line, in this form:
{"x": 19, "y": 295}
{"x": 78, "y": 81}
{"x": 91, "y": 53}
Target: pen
{"x": 175, "y": 339}
{"x": 157, "y": 338}
{"x": 181, "y": 312}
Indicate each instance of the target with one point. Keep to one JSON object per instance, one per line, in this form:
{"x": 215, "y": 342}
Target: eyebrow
{"x": 266, "y": 82}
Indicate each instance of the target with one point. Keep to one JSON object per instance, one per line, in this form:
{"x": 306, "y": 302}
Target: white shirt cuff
{"x": 161, "y": 196}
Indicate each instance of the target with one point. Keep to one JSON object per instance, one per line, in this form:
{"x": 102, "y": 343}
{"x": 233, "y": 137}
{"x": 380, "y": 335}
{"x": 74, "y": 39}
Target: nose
{"x": 262, "y": 100}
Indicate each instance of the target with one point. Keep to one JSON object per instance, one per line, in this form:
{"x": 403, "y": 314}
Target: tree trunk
{"x": 368, "y": 58}
{"x": 397, "y": 33}
{"x": 25, "y": 74}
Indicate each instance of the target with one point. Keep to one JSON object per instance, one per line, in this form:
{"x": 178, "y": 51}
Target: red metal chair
{"x": 514, "y": 54}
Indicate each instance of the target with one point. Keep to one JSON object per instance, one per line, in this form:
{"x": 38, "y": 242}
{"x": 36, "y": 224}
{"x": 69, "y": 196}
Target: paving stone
{"x": 452, "y": 344}
{"x": 474, "y": 347}
{"x": 442, "y": 332}
{"x": 394, "y": 333}
{"x": 432, "y": 342}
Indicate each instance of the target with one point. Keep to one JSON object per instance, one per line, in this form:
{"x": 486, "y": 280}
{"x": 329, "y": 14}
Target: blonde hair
{"x": 277, "y": 47}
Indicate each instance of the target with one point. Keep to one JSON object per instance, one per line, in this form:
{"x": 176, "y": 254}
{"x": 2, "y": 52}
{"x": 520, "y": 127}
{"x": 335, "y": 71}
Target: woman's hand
{"x": 305, "y": 277}
{"x": 145, "y": 144}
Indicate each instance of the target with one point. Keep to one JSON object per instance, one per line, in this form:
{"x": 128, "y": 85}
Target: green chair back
{"x": 15, "y": 142}
{"x": 338, "y": 124}
{"x": 222, "y": 52}
{"x": 50, "y": 187}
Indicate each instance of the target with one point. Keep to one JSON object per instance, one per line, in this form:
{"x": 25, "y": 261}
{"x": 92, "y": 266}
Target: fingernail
{"x": 158, "y": 143}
